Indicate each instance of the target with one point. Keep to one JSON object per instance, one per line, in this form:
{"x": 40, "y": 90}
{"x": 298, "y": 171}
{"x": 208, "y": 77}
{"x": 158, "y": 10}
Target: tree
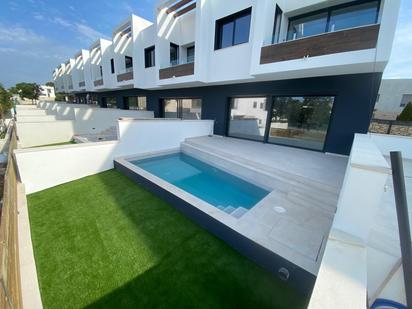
{"x": 406, "y": 114}
{"x": 6, "y": 102}
{"x": 50, "y": 84}
{"x": 29, "y": 91}
{"x": 60, "y": 97}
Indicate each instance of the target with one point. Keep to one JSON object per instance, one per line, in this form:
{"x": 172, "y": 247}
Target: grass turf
{"x": 104, "y": 242}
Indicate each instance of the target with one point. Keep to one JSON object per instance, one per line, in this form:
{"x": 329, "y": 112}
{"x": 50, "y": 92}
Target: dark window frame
{"x": 187, "y": 53}
{"x": 276, "y": 33}
{"x": 179, "y": 106}
{"x": 231, "y": 19}
{"x": 177, "y": 50}
{"x": 269, "y": 107}
{"x": 126, "y": 62}
{"x": 147, "y": 57}
{"x": 112, "y": 66}
{"x": 329, "y": 10}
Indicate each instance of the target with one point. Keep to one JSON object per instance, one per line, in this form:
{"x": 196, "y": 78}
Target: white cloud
{"x": 38, "y": 17}
{"x": 88, "y": 32}
{"x": 62, "y": 22}
{"x": 18, "y": 34}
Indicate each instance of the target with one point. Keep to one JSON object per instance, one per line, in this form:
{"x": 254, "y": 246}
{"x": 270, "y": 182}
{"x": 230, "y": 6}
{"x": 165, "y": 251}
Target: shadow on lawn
{"x": 190, "y": 266}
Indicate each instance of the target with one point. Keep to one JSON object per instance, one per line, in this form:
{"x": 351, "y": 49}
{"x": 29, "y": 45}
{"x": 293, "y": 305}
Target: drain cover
{"x": 279, "y": 210}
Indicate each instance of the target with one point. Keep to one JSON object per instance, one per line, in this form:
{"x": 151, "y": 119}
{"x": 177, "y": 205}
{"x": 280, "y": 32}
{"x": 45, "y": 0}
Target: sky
{"x": 38, "y": 35}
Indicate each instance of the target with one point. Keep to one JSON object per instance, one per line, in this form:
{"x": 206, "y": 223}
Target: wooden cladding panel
{"x": 329, "y": 43}
{"x": 177, "y": 71}
{"x": 177, "y": 6}
{"x": 125, "y": 76}
{"x": 98, "y": 82}
{"x": 185, "y": 10}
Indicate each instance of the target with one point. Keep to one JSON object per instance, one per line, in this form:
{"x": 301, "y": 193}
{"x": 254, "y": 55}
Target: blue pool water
{"x": 204, "y": 181}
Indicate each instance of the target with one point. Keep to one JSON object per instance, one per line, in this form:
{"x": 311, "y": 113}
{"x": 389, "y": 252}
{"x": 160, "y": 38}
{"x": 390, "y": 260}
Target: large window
{"x": 277, "y": 25}
{"x": 355, "y": 14}
{"x": 128, "y": 63}
{"x": 149, "y": 57}
{"x": 136, "y": 103}
{"x": 246, "y": 119}
{"x": 300, "y": 121}
{"x": 174, "y": 54}
{"x": 110, "y": 102}
{"x": 233, "y": 29}
{"x": 182, "y": 108}
{"x": 190, "y": 52}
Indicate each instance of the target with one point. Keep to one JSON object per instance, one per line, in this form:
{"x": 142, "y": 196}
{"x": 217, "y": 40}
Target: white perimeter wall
{"x": 44, "y": 133}
{"x": 388, "y": 143}
{"x": 45, "y": 167}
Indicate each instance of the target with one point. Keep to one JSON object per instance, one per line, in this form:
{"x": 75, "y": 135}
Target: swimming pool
{"x": 216, "y": 187}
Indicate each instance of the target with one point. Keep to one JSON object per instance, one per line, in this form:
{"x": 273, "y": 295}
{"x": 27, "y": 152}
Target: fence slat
{"x": 10, "y": 286}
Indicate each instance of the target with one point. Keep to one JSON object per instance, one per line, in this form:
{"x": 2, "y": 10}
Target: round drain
{"x": 283, "y": 274}
{"x": 279, "y": 210}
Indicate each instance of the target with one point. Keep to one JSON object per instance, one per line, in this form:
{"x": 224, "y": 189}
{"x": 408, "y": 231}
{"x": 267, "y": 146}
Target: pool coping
{"x": 216, "y": 221}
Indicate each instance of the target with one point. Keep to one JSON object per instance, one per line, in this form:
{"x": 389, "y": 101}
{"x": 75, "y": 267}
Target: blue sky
{"x": 37, "y": 35}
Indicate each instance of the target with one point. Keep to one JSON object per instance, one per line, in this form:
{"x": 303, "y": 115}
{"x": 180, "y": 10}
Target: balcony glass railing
{"x": 177, "y": 62}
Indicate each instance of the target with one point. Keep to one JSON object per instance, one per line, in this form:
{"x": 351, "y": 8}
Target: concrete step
{"x": 273, "y": 172}
{"x": 239, "y": 212}
{"x": 229, "y": 209}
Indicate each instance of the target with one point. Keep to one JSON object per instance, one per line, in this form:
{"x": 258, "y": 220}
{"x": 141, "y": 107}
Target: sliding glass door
{"x": 190, "y": 109}
{"x": 300, "y": 121}
{"x": 248, "y": 118}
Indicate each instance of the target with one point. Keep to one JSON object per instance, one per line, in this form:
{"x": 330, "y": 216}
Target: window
{"x": 174, "y": 54}
{"x": 182, "y": 108}
{"x": 354, "y": 16}
{"x": 136, "y": 103}
{"x": 406, "y": 98}
{"x": 300, "y": 121}
{"x": 277, "y": 24}
{"x": 233, "y": 30}
{"x": 262, "y": 105}
{"x": 245, "y": 120}
{"x": 307, "y": 26}
{"x": 149, "y": 57}
{"x": 101, "y": 71}
{"x": 110, "y": 102}
{"x": 128, "y": 62}
{"x": 190, "y": 51}
{"x": 112, "y": 65}
{"x": 334, "y": 18}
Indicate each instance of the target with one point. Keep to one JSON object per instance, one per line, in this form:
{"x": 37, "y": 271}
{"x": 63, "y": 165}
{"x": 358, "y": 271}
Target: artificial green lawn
{"x": 105, "y": 242}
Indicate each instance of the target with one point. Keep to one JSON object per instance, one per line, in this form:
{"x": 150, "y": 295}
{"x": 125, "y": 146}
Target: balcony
{"x": 98, "y": 82}
{"x": 178, "y": 69}
{"x": 126, "y": 75}
{"x": 360, "y": 38}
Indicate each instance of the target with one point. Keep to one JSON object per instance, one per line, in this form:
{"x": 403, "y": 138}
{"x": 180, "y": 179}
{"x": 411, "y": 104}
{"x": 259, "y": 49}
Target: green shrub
{"x": 406, "y": 114}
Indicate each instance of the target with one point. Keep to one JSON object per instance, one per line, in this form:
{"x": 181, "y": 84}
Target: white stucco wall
{"x": 45, "y": 167}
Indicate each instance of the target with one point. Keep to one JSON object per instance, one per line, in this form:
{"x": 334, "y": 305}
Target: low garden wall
{"x": 45, "y": 167}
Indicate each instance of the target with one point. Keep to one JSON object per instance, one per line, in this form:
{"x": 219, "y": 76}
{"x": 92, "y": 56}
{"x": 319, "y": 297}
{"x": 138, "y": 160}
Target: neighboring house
{"x": 394, "y": 95}
{"x": 47, "y": 93}
{"x": 313, "y": 64}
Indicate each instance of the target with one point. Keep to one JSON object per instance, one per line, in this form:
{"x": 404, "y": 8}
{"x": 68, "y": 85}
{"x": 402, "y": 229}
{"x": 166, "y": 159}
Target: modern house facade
{"x": 394, "y": 95}
{"x": 301, "y": 74}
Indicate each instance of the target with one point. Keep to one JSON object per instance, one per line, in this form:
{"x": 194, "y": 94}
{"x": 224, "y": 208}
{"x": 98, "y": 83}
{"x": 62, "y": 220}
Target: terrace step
{"x": 229, "y": 209}
{"x": 239, "y": 212}
{"x": 295, "y": 180}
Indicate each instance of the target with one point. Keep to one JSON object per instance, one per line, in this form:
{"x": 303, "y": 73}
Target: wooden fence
{"x": 10, "y": 287}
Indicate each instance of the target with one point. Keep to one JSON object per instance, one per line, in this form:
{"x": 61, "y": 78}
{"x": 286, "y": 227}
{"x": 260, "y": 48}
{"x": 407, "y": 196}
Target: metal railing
{"x": 10, "y": 286}
{"x": 393, "y": 127}
{"x": 177, "y": 62}
{"x": 403, "y": 222}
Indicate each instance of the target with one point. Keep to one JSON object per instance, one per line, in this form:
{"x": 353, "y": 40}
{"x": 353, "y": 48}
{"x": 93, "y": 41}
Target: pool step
{"x": 234, "y": 212}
